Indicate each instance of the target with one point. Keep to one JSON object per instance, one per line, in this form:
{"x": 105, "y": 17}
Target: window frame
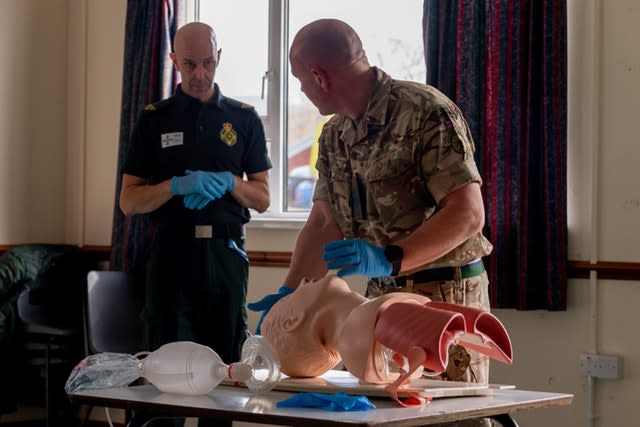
{"x": 275, "y": 121}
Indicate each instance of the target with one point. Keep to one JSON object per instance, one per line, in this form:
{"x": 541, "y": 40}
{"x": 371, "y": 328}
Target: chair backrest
{"x": 40, "y": 318}
{"x": 114, "y": 313}
{"x": 51, "y": 301}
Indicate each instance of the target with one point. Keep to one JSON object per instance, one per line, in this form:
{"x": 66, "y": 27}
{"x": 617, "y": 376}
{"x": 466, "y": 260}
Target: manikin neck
{"x": 336, "y": 317}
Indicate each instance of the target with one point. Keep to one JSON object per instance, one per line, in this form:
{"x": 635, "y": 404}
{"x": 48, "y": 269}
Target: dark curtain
{"x": 148, "y": 76}
{"x": 504, "y": 62}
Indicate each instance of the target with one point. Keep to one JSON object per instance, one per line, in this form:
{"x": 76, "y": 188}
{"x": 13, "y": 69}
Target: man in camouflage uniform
{"x": 398, "y": 195}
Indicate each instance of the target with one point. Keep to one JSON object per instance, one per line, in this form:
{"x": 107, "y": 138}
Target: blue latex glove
{"x": 267, "y": 302}
{"x": 226, "y": 178}
{"x": 199, "y": 182}
{"x": 195, "y": 201}
{"x": 339, "y": 402}
{"x": 356, "y": 257}
{"x": 210, "y": 185}
{"x": 231, "y": 244}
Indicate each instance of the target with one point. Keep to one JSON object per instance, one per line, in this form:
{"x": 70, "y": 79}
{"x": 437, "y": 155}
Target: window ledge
{"x": 283, "y": 222}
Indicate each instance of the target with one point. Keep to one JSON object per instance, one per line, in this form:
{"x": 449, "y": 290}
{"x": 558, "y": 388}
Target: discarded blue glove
{"x": 267, "y": 302}
{"x": 356, "y": 257}
{"x": 337, "y": 402}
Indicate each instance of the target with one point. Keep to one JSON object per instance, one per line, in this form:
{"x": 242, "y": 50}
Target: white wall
{"x": 95, "y": 80}
{"x": 59, "y": 126}
{"x": 32, "y": 120}
{"x": 619, "y": 106}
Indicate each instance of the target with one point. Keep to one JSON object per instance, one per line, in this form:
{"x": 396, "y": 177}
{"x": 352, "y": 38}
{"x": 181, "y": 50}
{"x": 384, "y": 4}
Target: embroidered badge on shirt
{"x": 228, "y": 135}
{"x": 171, "y": 139}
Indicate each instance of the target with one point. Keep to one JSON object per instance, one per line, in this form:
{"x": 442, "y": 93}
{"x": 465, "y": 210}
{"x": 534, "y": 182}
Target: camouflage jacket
{"x": 385, "y": 173}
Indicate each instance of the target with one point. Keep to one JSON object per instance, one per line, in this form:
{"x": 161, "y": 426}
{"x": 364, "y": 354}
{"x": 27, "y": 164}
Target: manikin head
{"x": 303, "y": 325}
{"x": 324, "y": 322}
{"x": 196, "y": 56}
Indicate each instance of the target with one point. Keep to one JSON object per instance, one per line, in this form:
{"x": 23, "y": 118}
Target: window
{"x": 254, "y": 36}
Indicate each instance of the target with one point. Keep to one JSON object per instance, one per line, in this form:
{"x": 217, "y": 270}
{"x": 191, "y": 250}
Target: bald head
{"x": 327, "y": 43}
{"x": 194, "y": 34}
{"x": 196, "y": 57}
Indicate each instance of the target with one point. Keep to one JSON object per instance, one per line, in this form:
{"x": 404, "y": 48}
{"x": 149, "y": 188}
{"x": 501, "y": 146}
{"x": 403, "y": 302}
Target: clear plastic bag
{"x": 104, "y": 370}
{"x": 182, "y": 367}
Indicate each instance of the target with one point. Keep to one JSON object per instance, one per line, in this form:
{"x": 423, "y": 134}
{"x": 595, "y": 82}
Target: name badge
{"x": 171, "y": 139}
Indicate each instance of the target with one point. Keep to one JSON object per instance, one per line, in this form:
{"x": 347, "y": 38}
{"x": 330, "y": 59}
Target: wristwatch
{"x": 394, "y": 255}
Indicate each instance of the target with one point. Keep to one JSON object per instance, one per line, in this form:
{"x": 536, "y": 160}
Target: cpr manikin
{"x": 386, "y": 340}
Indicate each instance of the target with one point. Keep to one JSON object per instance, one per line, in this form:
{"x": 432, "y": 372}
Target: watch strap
{"x": 394, "y": 255}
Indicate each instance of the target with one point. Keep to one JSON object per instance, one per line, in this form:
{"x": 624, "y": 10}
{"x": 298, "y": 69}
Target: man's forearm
{"x": 252, "y": 194}
{"x": 460, "y": 218}
{"x": 142, "y": 198}
{"x": 306, "y": 261}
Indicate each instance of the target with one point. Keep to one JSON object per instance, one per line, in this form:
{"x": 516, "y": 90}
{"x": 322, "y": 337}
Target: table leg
{"x": 505, "y": 420}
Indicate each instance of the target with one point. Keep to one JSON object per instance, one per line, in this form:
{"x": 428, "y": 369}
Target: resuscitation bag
{"x": 182, "y": 367}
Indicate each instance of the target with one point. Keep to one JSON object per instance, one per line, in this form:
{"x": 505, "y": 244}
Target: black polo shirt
{"x": 181, "y": 133}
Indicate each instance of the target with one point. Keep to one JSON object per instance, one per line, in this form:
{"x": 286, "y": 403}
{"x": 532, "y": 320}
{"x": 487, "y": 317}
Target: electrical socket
{"x": 601, "y": 366}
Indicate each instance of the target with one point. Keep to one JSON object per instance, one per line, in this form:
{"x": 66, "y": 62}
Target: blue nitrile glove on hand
{"x": 211, "y": 185}
{"x": 195, "y": 201}
{"x": 200, "y": 187}
{"x": 267, "y": 302}
{"x": 227, "y": 179}
{"x": 356, "y": 257}
{"x": 339, "y": 401}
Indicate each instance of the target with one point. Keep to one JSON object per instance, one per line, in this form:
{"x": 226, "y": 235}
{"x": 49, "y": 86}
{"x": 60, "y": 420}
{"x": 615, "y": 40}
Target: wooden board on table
{"x": 334, "y": 381}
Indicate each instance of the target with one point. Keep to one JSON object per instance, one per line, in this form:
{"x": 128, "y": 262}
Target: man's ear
{"x": 321, "y": 78}
{"x": 174, "y": 59}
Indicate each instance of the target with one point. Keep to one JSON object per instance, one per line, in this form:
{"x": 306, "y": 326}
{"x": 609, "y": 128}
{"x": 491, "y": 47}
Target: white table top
{"x": 238, "y": 403}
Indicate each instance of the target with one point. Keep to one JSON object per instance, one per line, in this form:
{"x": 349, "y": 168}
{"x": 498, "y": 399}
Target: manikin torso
{"x": 388, "y": 339}
{"x": 324, "y": 322}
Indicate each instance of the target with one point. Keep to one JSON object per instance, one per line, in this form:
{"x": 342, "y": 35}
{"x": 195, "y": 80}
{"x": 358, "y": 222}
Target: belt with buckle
{"x": 218, "y": 231}
{"x": 472, "y": 269}
{"x": 205, "y": 231}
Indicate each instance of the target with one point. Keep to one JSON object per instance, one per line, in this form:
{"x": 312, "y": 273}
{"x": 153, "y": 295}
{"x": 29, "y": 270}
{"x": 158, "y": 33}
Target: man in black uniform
{"x": 185, "y": 168}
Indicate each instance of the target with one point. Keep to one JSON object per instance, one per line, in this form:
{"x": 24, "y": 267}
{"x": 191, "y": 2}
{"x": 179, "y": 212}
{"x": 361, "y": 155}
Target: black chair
{"x": 52, "y": 341}
{"x": 113, "y": 318}
{"x": 114, "y": 313}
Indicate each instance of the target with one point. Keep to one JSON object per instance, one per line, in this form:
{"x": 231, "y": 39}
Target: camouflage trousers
{"x": 464, "y": 365}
